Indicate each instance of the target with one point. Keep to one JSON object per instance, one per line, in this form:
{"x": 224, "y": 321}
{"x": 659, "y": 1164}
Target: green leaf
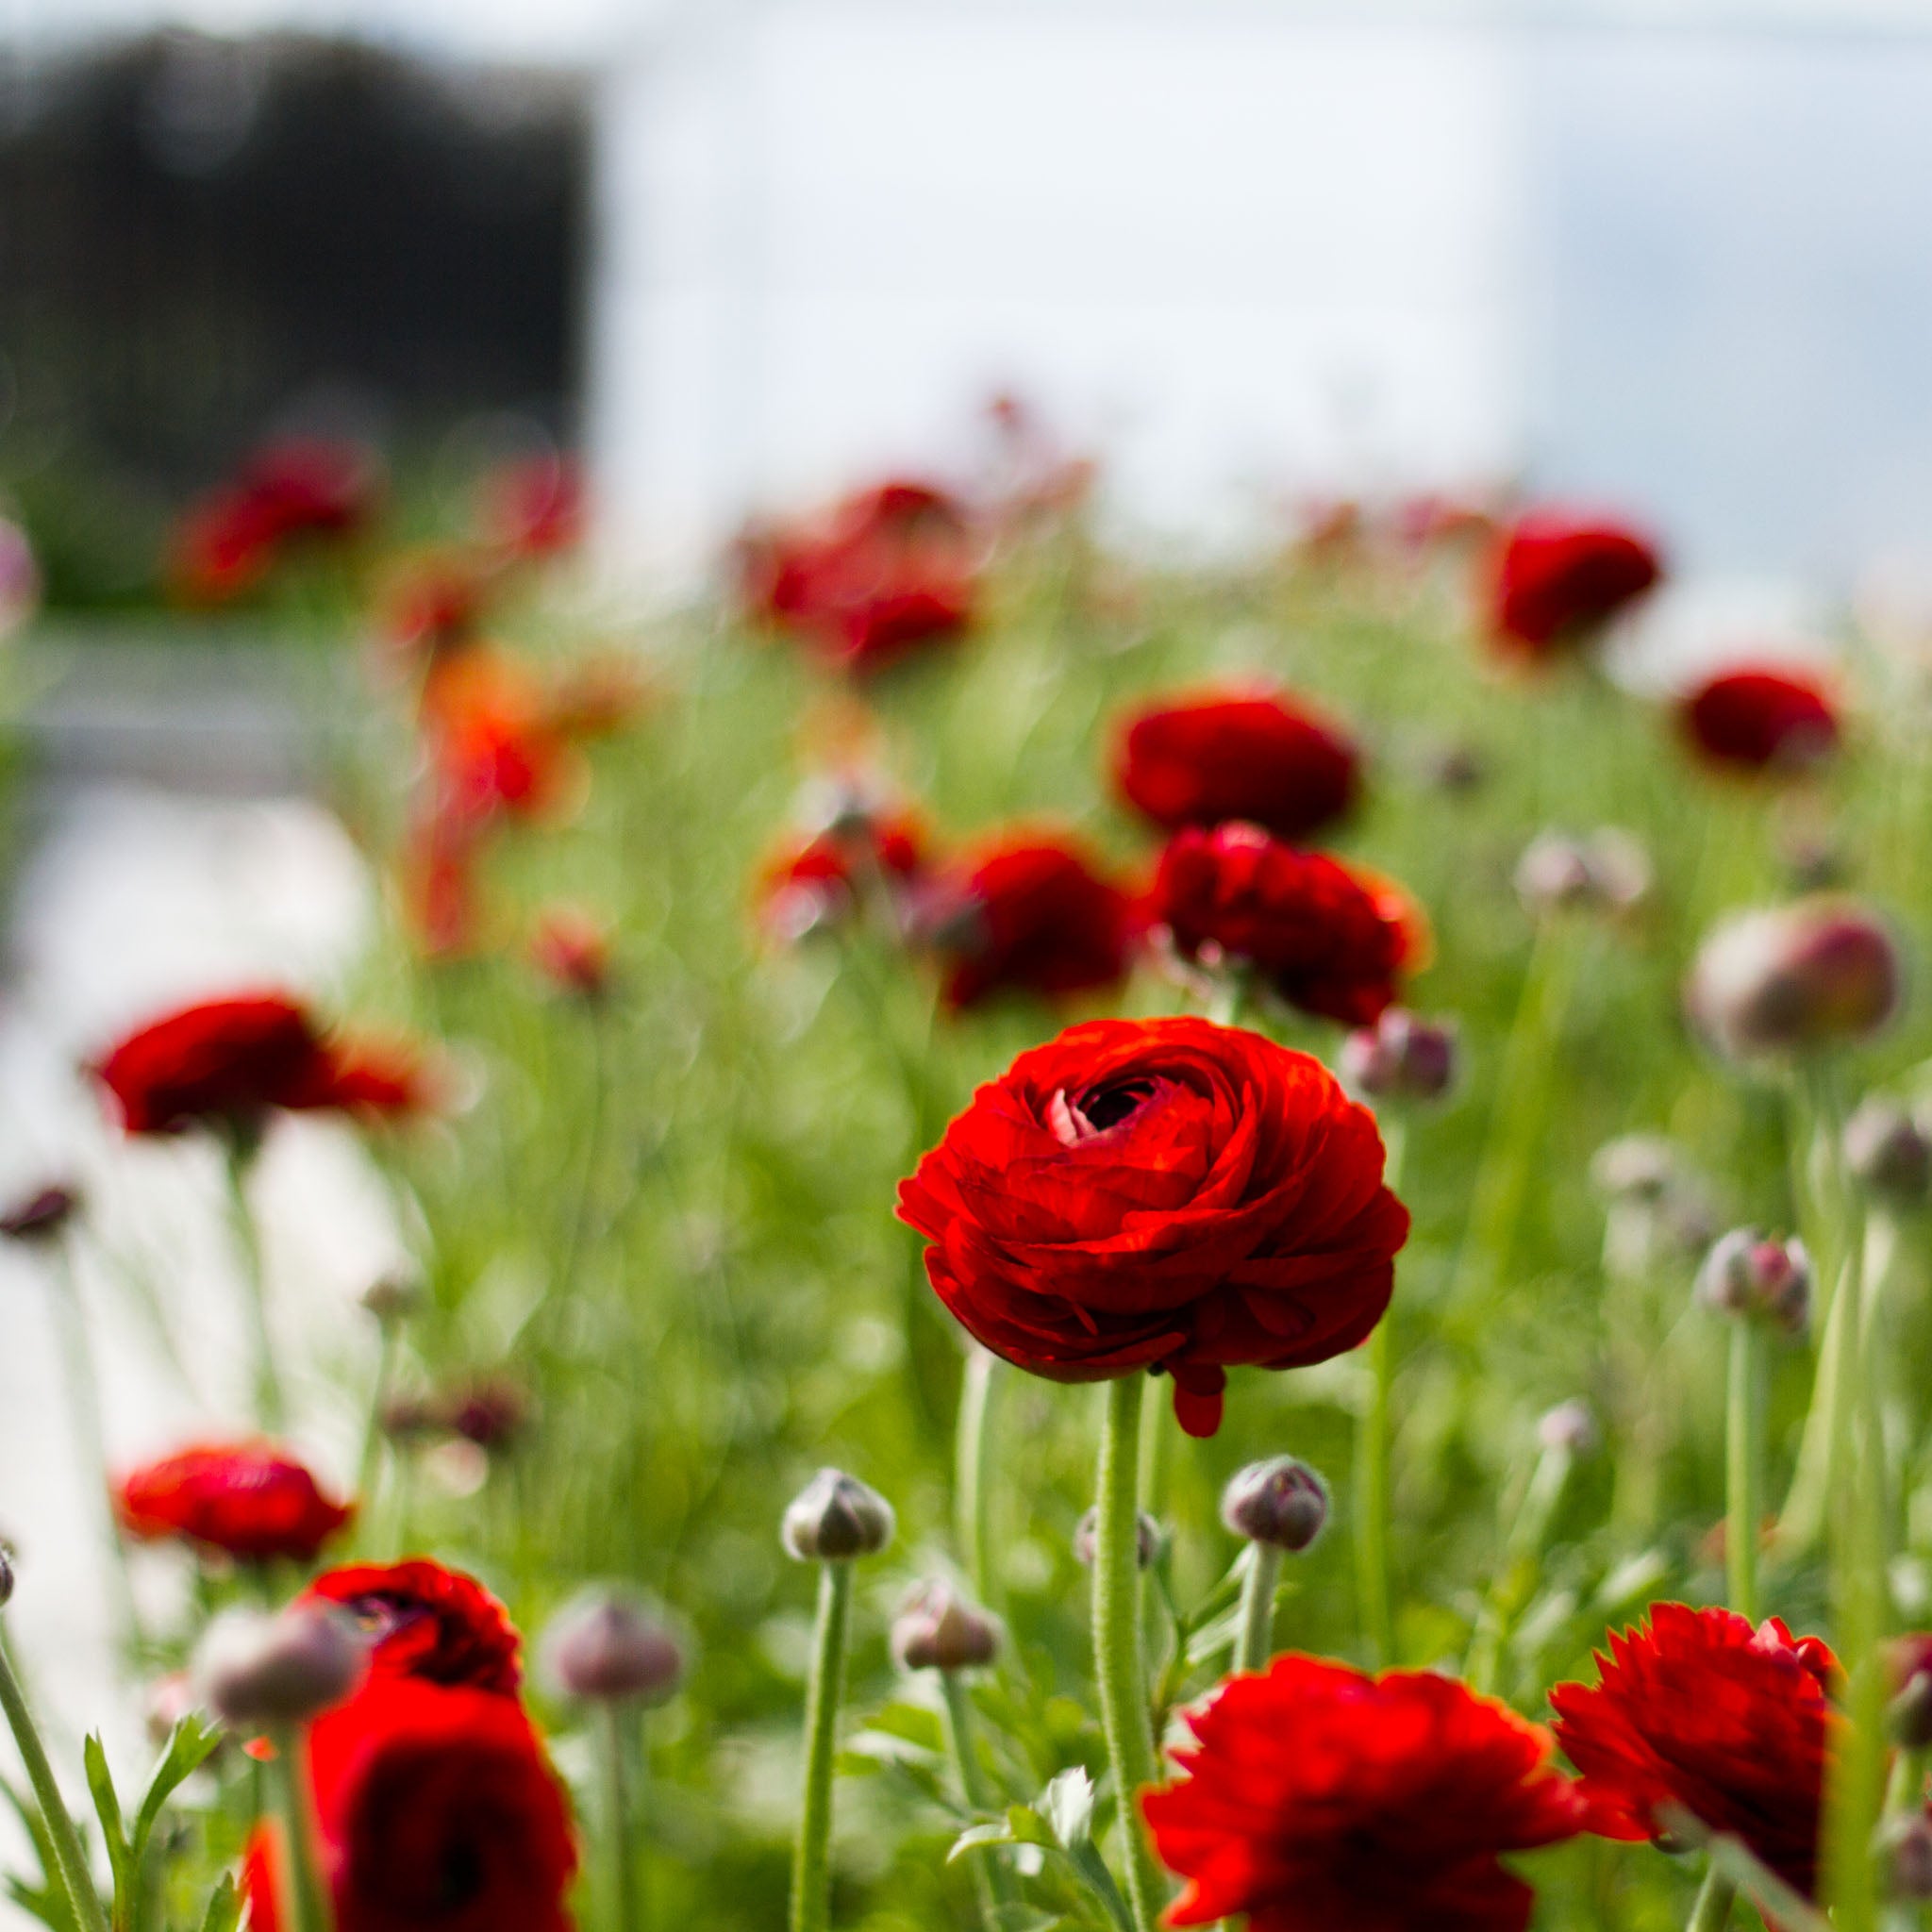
{"x": 912, "y": 1722}
{"x": 224, "y": 1908}
{"x": 100, "y": 1782}
{"x": 189, "y": 1745}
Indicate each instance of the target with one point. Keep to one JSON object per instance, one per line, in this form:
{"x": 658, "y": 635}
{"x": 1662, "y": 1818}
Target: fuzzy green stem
{"x": 1712, "y": 1911}
{"x": 812, "y": 1861}
{"x": 993, "y": 1878}
{"x": 74, "y": 1875}
{"x": 626, "y": 1913}
{"x": 1117, "y": 1658}
{"x": 1744, "y": 1464}
{"x": 305, "y": 1900}
{"x": 271, "y": 1401}
{"x": 1256, "y": 1643}
{"x": 972, "y": 1489}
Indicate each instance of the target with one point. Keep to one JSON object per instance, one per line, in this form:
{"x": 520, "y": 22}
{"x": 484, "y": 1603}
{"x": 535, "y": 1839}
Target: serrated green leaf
{"x": 189, "y": 1745}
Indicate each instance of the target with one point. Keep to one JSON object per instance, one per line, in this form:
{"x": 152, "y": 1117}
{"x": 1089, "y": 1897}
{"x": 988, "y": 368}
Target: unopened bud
{"x": 1149, "y": 1540}
{"x": 1795, "y": 978}
{"x": 1643, "y": 1168}
{"x": 1909, "y": 1668}
{"x": 606, "y": 1647}
{"x": 42, "y": 1216}
{"x": 393, "y": 1297}
{"x": 1907, "y": 1845}
{"x": 1570, "y": 1428}
{"x": 939, "y": 1631}
{"x": 1888, "y": 1150}
{"x": 1400, "y": 1057}
{"x": 835, "y": 1518}
{"x": 1281, "y": 1502}
{"x": 1609, "y": 871}
{"x": 261, "y": 1672}
{"x": 1747, "y": 1274}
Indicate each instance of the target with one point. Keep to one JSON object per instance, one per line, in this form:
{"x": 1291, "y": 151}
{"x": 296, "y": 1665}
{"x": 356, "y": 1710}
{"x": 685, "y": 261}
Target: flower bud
{"x": 1909, "y": 1668}
{"x": 1906, "y": 1842}
{"x": 1888, "y": 1151}
{"x": 1607, "y": 871}
{"x": 261, "y": 1672}
{"x": 1149, "y": 1540}
{"x": 5, "y": 1576}
{"x": 1281, "y": 1503}
{"x": 42, "y": 1216}
{"x": 393, "y": 1297}
{"x": 939, "y": 1631}
{"x": 1795, "y": 978}
{"x": 1570, "y": 1428}
{"x": 1400, "y": 1057}
{"x": 606, "y": 1647}
{"x": 835, "y": 1518}
{"x": 1748, "y": 1275}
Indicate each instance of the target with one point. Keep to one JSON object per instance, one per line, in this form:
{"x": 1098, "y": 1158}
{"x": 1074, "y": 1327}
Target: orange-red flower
{"x": 437, "y": 1812}
{"x": 228, "y": 1062}
{"x": 1030, "y": 914}
{"x": 1701, "y": 1710}
{"x": 1160, "y": 1194}
{"x": 493, "y": 742}
{"x": 1558, "y": 579}
{"x": 1319, "y": 1798}
{"x": 821, "y": 879}
{"x": 1760, "y": 720}
{"x": 248, "y": 1500}
{"x": 424, "y": 1621}
{"x": 1237, "y": 755}
{"x": 1331, "y": 939}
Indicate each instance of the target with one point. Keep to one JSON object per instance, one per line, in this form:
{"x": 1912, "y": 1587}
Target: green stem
{"x": 74, "y": 1875}
{"x": 993, "y": 1876}
{"x": 1744, "y": 1464}
{"x": 304, "y": 1902}
{"x": 1256, "y": 1643}
{"x": 586, "y": 1179}
{"x": 368, "y": 1462}
{"x": 973, "y": 1452}
{"x": 1229, "y": 999}
{"x": 1117, "y": 1658}
{"x": 1712, "y": 1913}
{"x": 271, "y": 1403}
{"x": 625, "y": 1913}
{"x": 812, "y": 1861}
{"x": 1372, "y": 1498}
{"x": 1523, "y": 1542}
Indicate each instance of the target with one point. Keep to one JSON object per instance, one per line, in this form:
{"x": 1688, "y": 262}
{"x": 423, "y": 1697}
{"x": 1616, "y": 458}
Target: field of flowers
{"x": 1000, "y": 1142}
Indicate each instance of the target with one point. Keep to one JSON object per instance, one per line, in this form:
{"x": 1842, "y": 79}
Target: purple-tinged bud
{"x": 1607, "y": 872}
{"x": 939, "y": 1631}
{"x": 262, "y": 1672}
{"x": 1149, "y": 1540}
{"x": 835, "y": 1517}
{"x": 392, "y": 1298}
{"x": 1888, "y": 1151}
{"x": 1568, "y": 1430}
{"x": 1795, "y": 978}
{"x": 1907, "y": 1851}
{"x": 42, "y": 1216}
{"x": 1748, "y": 1275}
{"x": 1400, "y": 1057}
{"x": 1281, "y": 1502}
{"x": 606, "y": 1647}
{"x": 1908, "y": 1669}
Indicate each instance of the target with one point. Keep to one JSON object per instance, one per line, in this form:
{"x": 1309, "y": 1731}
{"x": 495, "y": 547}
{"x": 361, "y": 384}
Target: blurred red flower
{"x": 1331, "y": 939}
{"x": 1761, "y": 719}
{"x": 248, "y": 1500}
{"x": 1558, "y": 577}
{"x": 1318, "y": 1797}
{"x": 1233, "y": 755}
{"x": 493, "y": 742}
{"x": 893, "y": 568}
{"x": 1029, "y": 913}
{"x": 571, "y": 948}
{"x": 1159, "y": 1193}
{"x": 227, "y": 1062}
{"x": 424, "y": 1621}
{"x": 435, "y": 603}
{"x": 1735, "y": 1724}
{"x": 823, "y": 879}
{"x": 534, "y": 505}
{"x": 437, "y": 1812}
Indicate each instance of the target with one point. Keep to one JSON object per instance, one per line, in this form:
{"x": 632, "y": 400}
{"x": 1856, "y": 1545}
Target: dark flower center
{"x": 1108, "y": 1106}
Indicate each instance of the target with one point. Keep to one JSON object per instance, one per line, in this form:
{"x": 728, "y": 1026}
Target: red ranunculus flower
{"x": 1319, "y": 1798}
{"x": 437, "y": 1812}
{"x": 229, "y": 1061}
{"x": 1330, "y": 937}
{"x": 427, "y": 1622}
{"x": 1757, "y": 719}
{"x": 1701, "y": 1710}
{"x": 494, "y": 744}
{"x": 1029, "y": 913}
{"x": 1559, "y": 577}
{"x": 248, "y": 1500}
{"x": 1235, "y": 755}
{"x": 820, "y": 880}
{"x": 1160, "y": 1194}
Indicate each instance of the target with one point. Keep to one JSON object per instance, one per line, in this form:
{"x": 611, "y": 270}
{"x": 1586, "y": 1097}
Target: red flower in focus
{"x": 1760, "y": 720}
{"x": 822, "y": 880}
{"x": 1028, "y": 914}
{"x": 1318, "y": 1797}
{"x": 426, "y": 1621}
{"x": 1558, "y": 577}
{"x": 1160, "y": 1194}
{"x": 1700, "y": 1710}
{"x": 893, "y": 568}
{"x": 534, "y": 505}
{"x": 1330, "y": 939}
{"x": 572, "y": 949}
{"x": 437, "y": 1812}
{"x": 248, "y": 1500}
{"x": 1197, "y": 761}
{"x": 227, "y": 1063}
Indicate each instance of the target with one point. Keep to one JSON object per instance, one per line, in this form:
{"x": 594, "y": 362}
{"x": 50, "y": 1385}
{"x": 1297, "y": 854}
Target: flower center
{"x": 1109, "y": 1105}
